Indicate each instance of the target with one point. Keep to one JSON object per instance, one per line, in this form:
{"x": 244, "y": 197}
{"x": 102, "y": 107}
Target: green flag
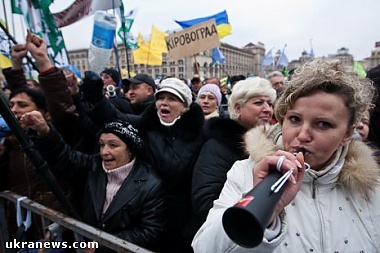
{"x": 16, "y": 6}
{"x": 126, "y": 25}
{"x": 40, "y": 21}
{"x": 54, "y": 35}
{"x": 359, "y": 69}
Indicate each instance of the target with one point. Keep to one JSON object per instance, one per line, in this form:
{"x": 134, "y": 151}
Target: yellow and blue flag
{"x": 221, "y": 20}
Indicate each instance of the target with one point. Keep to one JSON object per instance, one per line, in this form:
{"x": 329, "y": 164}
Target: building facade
{"x": 238, "y": 61}
{"x": 245, "y": 61}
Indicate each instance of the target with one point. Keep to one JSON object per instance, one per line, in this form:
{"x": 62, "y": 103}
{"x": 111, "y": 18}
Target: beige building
{"x": 374, "y": 59}
{"x": 245, "y": 61}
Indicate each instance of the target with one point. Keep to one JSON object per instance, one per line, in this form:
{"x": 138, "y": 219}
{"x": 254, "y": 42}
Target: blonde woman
{"x": 332, "y": 207}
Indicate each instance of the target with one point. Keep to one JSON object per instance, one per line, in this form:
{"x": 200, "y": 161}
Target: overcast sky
{"x": 329, "y": 24}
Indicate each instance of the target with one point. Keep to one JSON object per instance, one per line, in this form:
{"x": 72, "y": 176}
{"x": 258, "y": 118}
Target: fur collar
{"x": 226, "y": 131}
{"x": 360, "y": 172}
{"x": 189, "y": 125}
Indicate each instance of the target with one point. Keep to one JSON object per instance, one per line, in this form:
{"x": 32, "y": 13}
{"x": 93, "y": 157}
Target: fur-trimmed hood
{"x": 189, "y": 126}
{"x": 226, "y": 131}
{"x": 360, "y": 172}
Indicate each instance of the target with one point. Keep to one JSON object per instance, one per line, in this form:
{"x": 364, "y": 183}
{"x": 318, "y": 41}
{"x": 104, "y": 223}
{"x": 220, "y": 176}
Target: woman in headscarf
{"x": 209, "y": 98}
{"x": 171, "y": 129}
{"x": 123, "y": 195}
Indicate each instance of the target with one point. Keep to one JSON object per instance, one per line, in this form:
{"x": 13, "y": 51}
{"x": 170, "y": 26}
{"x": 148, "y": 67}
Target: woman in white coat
{"x": 332, "y": 207}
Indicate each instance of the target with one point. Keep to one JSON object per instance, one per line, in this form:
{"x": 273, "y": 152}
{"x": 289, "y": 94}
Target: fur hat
{"x": 176, "y": 87}
{"x": 214, "y": 89}
{"x": 126, "y": 132}
{"x": 113, "y": 73}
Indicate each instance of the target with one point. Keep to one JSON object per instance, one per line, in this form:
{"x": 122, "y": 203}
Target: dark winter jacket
{"x": 136, "y": 213}
{"x": 16, "y": 170}
{"x": 223, "y": 147}
{"x": 173, "y": 152}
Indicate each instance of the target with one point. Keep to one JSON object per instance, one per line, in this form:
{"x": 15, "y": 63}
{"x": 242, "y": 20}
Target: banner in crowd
{"x": 193, "y": 40}
{"x": 81, "y": 9}
{"x": 222, "y": 25}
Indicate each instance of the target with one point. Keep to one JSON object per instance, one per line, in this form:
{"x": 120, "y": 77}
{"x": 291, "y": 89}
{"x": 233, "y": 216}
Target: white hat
{"x": 176, "y": 87}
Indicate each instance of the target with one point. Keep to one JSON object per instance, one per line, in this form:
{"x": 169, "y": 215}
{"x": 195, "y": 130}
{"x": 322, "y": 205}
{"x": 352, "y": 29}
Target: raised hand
{"x": 18, "y": 53}
{"x": 36, "y": 121}
{"x": 38, "y": 49}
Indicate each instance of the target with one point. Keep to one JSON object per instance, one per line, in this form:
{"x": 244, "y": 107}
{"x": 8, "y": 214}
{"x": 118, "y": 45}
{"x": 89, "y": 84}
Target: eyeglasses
{"x": 278, "y": 84}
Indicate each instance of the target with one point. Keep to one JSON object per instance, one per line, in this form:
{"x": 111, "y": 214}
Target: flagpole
{"x": 196, "y": 65}
{"x": 5, "y": 14}
{"x": 126, "y": 55}
{"x": 15, "y": 42}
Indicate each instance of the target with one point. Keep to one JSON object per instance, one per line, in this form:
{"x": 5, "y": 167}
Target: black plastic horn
{"x": 246, "y": 221}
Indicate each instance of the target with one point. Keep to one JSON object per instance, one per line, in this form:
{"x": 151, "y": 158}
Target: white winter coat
{"x": 338, "y": 211}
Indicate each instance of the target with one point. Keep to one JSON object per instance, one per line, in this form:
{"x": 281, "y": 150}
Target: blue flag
{"x": 268, "y": 59}
{"x": 217, "y": 56}
{"x": 283, "y": 59}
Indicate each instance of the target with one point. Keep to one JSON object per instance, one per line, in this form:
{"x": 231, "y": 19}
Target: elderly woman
{"x": 123, "y": 195}
{"x": 172, "y": 132}
{"x": 209, "y": 98}
{"x": 250, "y": 105}
{"x": 332, "y": 207}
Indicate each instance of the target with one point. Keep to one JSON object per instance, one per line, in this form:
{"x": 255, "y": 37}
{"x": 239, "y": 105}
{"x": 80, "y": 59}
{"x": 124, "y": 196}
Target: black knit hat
{"x": 126, "y": 132}
{"x": 113, "y": 73}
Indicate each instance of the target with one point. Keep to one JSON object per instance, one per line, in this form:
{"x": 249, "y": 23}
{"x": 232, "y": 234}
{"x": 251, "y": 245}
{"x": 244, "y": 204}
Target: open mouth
{"x": 165, "y": 111}
{"x": 107, "y": 161}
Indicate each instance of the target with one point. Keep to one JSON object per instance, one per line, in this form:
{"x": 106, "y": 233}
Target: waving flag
{"x": 268, "y": 59}
{"x": 283, "y": 59}
{"x": 358, "y": 68}
{"x": 126, "y": 25}
{"x": 157, "y": 40}
{"x": 217, "y": 56}
{"x": 147, "y": 55}
{"x": 82, "y": 8}
{"x": 221, "y": 20}
{"x": 40, "y": 21}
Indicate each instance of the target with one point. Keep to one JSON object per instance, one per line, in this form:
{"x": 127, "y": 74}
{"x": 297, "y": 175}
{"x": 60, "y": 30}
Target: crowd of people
{"x": 159, "y": 164}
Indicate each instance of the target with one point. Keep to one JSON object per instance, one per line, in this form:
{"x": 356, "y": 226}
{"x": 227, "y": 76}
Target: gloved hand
{"x": 92, "y": 87}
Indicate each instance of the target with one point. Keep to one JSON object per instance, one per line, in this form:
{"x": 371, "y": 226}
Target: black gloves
{"x": 92, "y": 87}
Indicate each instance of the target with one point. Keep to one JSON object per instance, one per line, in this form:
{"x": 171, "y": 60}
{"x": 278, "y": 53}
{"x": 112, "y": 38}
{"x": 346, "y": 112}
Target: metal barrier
{"x": 50, "y": 216}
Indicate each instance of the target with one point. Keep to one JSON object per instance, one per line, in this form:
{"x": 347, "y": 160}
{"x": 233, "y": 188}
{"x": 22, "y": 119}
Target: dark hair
{"x": 113, "y": 73}
{"x": 37, "y": 96}
{"x": 237, "y": 78}
{"x": 195, "y": 80}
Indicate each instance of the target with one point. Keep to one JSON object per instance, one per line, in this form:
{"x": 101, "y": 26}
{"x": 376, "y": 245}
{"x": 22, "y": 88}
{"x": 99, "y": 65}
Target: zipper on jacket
{"x": 314, "y": 188}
